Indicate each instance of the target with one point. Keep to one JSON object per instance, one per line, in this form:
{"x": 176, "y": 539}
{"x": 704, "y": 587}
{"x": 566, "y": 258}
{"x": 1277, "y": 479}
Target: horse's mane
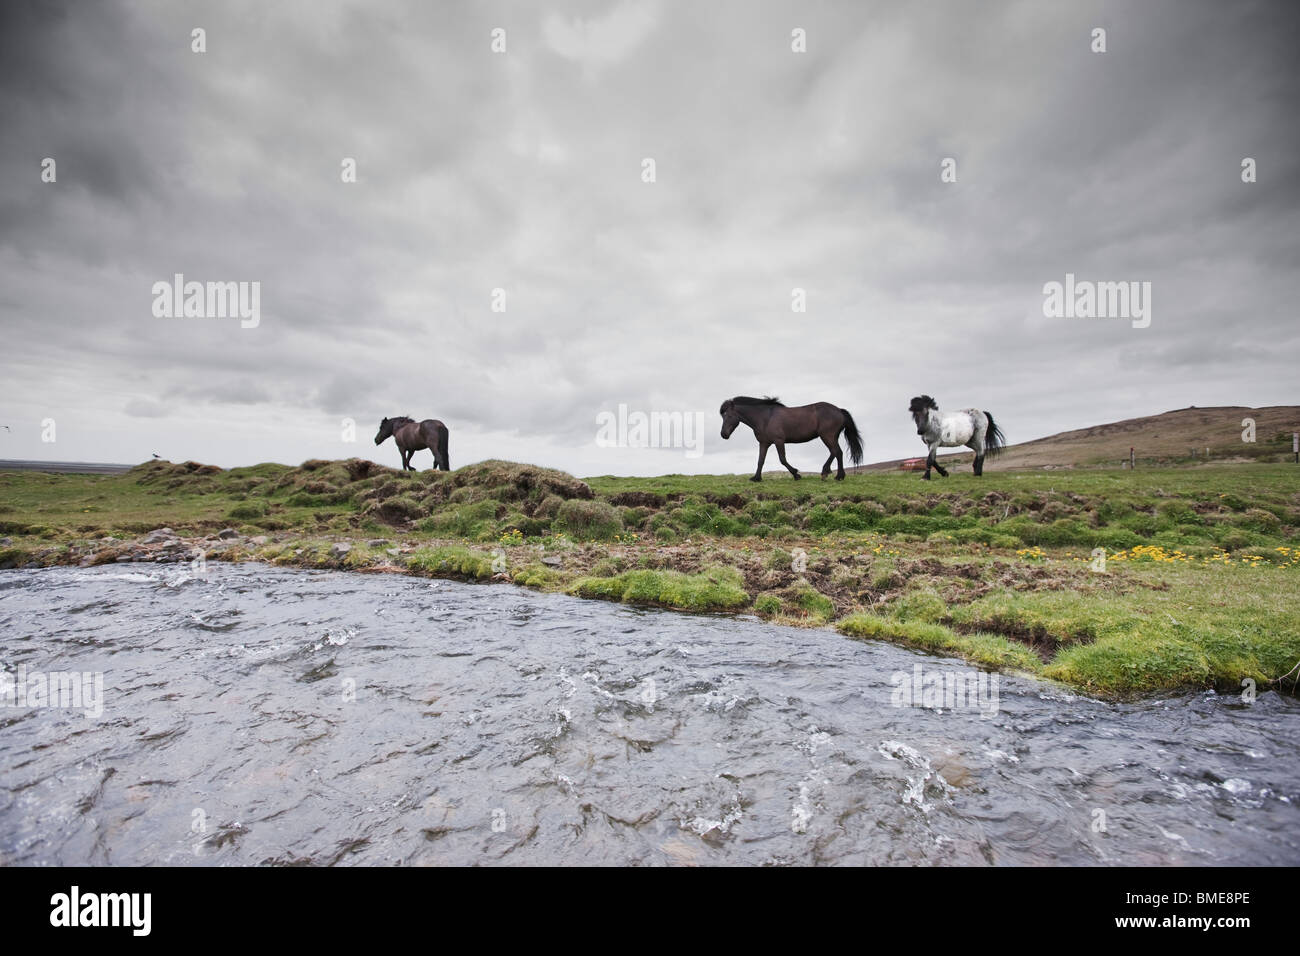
{"x": 747, "y": 400}
{"x": 398, "y": 420}
{"x": 923, "y": 401}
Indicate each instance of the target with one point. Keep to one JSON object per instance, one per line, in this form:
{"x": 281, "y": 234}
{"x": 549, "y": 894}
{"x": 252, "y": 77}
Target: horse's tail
{"x": 852, "y": 438}
{"x": 994, "y": 440}
{"x": 442, "y": 448}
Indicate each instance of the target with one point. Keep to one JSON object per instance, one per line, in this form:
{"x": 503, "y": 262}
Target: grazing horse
{"x": 775, "y": 424}
{"x": 969, "y": 427}
{"x": 412, "y": 436}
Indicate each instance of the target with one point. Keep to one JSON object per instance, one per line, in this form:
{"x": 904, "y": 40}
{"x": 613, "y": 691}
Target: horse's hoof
{"x": 797, "y": 476}
{"x": 840, "y": 476}
{"x": 755, "y": 478}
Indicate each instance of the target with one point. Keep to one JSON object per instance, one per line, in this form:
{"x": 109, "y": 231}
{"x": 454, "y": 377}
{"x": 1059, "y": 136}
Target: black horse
{"x": 775, "y": 424}
{"x": 412, "y": 436}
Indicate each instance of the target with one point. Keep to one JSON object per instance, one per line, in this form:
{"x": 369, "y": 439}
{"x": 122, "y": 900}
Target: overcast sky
{"x": 523, "y": 171}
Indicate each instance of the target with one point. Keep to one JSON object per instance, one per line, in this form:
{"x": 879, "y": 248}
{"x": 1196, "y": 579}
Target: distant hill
{"x": 65, "y": 467}
{"x": 1170, "y": 438}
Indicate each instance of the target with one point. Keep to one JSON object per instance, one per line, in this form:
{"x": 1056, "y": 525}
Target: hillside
{"x": 1170, "y": 438}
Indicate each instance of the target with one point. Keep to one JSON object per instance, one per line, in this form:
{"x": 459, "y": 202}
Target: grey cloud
{"x": 522, "y": 171}
{"x": 143, "y": 408}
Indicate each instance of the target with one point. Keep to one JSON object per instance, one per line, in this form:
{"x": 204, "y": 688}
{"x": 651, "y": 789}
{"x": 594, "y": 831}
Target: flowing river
{"x": 258, "y": 715}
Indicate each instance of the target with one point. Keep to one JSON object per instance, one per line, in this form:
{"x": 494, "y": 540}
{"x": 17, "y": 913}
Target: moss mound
{"x": 588, "y": 520}
{"x": 153, "y": 471}
{"x": 710, "y": 590}
{"x": 511, "y": 481}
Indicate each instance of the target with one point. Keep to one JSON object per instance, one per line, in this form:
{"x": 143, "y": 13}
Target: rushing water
{"x": 261, "y": 715}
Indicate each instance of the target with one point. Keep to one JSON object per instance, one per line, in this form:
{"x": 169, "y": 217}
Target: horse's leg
{"x": 762, "y": 456}
{"x": 934, "y": 454}
{"x": 977, "y": 445}
{"x": 780, "y": 453}
{"x": 833, "y": 448}
{"x": 930, "y": 460}
{"x": 430, "y": 437}
{"x": 833, "y": 443}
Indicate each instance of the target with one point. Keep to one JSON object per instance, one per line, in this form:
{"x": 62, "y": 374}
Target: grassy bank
{"x": 1201, "y": 564}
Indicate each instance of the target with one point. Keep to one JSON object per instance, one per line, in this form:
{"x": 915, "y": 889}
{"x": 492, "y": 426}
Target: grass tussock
{"x": 991, "y": 650}
{"x": 716, "y": 589}
{"x": 450, "y": 562}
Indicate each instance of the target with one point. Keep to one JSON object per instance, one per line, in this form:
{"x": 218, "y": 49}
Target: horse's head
{"x": 730, "y": 417}
{"x": 920, "y": 410}
{"x": 385, "y": 430}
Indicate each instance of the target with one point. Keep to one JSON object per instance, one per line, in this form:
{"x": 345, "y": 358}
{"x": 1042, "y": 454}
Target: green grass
{"x": 538, "y": 576}
{"x": 988, "y": 649}
{"x": 1060, "y": 508}
{"x": 587, "y": 520}
{"x": 1210, "y": 627}
{"x": 450, "y": 561}
{"x": 717, "y": 589}
{"x": 1202, "y": 562}
{"x": 817, "y": 607}
{"x": 800, "y": 603}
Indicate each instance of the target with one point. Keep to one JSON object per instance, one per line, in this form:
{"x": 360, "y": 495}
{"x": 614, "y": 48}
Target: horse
{"x": 775, "y": 424}
{"x": 412, "y": 436}
{"x": 969, "y": 427}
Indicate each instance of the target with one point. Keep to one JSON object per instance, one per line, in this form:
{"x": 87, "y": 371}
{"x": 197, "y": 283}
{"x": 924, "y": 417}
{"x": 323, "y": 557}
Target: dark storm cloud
{"x": 521, "y": 171}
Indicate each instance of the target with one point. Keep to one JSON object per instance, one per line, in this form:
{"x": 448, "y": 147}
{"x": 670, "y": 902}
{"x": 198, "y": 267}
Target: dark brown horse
{"x": 412, "y": 436}
{"x": 774, "y": 424}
